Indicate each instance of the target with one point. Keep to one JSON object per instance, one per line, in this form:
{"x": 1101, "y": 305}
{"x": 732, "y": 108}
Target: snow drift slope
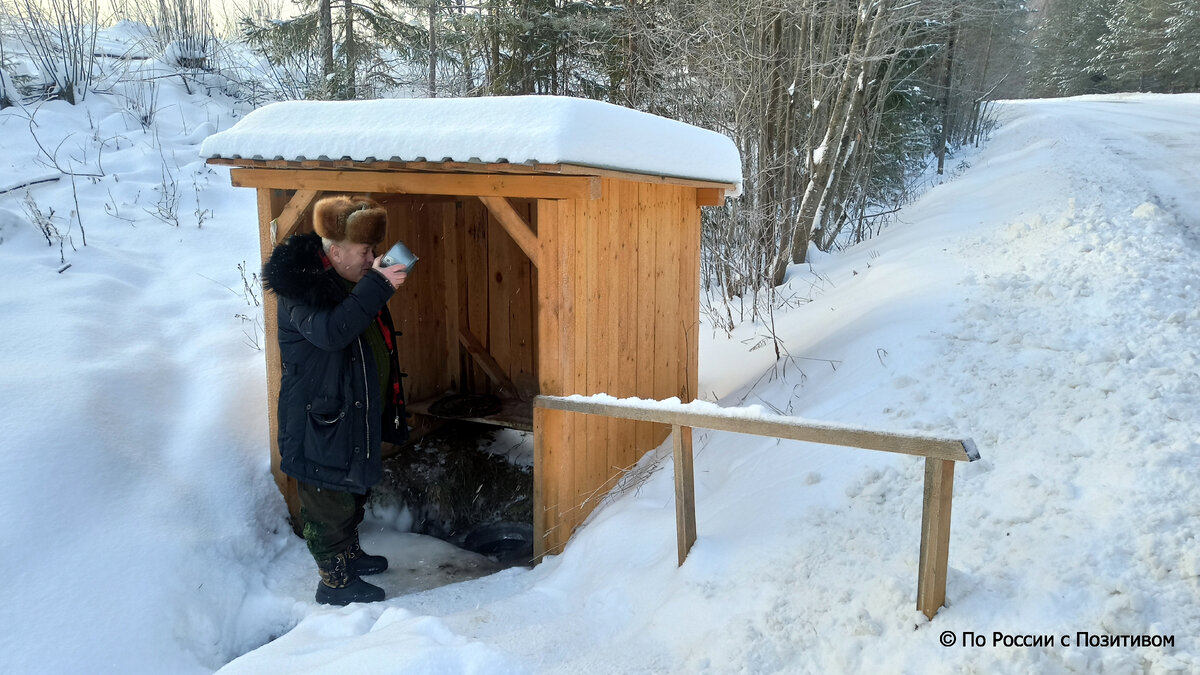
{"x": 1044, "y": 302}
{"x": 137, "y": 519}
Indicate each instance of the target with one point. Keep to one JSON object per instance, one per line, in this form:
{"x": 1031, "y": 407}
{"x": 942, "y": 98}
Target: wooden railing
{"x": 940, "y": 455}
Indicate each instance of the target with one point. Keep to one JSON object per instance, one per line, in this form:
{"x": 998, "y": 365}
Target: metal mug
{"x": 399, "y": 254}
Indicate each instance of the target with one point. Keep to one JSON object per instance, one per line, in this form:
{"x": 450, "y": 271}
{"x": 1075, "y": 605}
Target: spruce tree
{"x": 1064, "y": 44}
{"x": 1179, "y": 57}
{"x": 1130, "y": 52}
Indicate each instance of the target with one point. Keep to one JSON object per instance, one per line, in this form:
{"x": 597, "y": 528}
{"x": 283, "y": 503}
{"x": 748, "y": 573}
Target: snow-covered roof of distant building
{"x": 512, "y": 129}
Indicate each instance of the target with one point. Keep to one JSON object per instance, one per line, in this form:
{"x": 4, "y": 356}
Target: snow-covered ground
{"x": 1045, "y": 301}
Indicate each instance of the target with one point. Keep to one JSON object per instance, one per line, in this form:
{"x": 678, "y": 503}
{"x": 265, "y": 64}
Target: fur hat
{"x": 357, "y": 219}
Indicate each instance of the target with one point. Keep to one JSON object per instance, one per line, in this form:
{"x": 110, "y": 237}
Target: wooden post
{"x": 935, "y": 535}
{"x": 685, "y": 489}
{"x": 270, "y": 203}
{"x": 540, "y": 461}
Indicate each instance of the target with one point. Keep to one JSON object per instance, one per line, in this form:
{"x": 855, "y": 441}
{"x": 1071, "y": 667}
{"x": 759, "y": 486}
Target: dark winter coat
{"x": 331, "y": 420}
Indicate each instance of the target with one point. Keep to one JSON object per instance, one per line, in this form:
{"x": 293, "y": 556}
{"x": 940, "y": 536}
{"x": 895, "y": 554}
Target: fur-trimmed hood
{"x": 298, "y": 270}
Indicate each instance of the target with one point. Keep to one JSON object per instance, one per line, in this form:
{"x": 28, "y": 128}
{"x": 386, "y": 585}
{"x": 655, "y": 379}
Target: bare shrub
{"x": 141, "y": 99}
{"x": 252, "y": 328}
{"x": 166, "y": 207}
{"x": 45, "y": 223}
{"x": 60, "y": 37}
{"x": 9, "y": 94}
{"x": 183, "y": 30}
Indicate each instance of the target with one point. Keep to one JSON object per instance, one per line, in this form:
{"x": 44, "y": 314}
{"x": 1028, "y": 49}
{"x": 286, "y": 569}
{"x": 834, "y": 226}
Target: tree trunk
{"x": 845, "y": 108}
{"x": 525, "y": 51}
{"x": 325, "y": 24}
{"x": 351, "y": 56}
{"x": 432, "y": 49}
{"x": 494, "y": 44}
{"x": 973, "y": 133}
{"x": 947, "y": 72}
{"x": 466, "y": 54}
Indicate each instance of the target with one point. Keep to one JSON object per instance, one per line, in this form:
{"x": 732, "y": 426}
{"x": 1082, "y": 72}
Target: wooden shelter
{"x": 540, "y": 277}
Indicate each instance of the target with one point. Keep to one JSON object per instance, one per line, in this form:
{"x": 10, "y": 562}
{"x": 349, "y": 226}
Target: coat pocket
{"x": 325, "y": 434}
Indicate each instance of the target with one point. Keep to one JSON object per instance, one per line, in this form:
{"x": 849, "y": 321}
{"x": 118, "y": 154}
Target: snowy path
{"x": 1165, "y": 152}
{"x": 1080, "y": 350}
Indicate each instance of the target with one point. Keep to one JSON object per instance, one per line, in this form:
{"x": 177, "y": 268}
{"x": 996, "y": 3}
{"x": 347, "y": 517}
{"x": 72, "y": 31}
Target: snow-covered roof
{"x": 514, "y": 129}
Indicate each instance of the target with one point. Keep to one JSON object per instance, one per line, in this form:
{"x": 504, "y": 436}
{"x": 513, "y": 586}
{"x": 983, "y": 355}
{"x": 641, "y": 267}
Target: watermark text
{"x": 976, "y": 639}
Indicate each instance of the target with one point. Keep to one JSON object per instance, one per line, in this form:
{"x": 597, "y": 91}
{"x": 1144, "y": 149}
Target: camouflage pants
{"x": 331, "y": 519}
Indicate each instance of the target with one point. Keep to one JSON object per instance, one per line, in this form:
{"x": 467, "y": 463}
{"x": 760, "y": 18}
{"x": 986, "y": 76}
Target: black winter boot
{"x": 364, "y": 564}
{"x": 340, "y": 586}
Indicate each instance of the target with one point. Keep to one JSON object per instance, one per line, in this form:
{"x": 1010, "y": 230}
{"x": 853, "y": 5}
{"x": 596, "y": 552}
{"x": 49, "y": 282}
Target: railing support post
{"x": 935, "y": 535}
{"x": 685, "y": 489}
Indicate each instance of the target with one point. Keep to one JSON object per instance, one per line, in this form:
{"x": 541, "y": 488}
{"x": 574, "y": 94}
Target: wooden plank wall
{"x": 472, "y": 263}
{"x": 496, "y": 298}
{"x": 511, "y": 323}
{"x": 618, "y": 314}
{"x": 419, "y": 307}
{"x": 463, "y": 249}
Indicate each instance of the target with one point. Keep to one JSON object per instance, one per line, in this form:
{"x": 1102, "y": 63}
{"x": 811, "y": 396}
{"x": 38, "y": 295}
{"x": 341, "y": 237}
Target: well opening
{"x": 465, "y": 483}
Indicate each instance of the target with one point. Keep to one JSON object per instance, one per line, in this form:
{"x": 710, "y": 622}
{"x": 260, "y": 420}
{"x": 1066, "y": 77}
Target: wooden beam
{"x": 710, "y": 197}
{"x": 685, "y": 490}
{"x": 485, "y": 361}
{"x": 939, "y": 470}
{"x": 776, "y": 426}
{"x": 482, "y": 168}
{"x": 935, "y": 535}
{"x": 465, "y": 184}
{"x": 514, "y": 225}
{"x": 293, "y": 213}
{"x": 580, "y": 170}
{"x": 386, "y": 199}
